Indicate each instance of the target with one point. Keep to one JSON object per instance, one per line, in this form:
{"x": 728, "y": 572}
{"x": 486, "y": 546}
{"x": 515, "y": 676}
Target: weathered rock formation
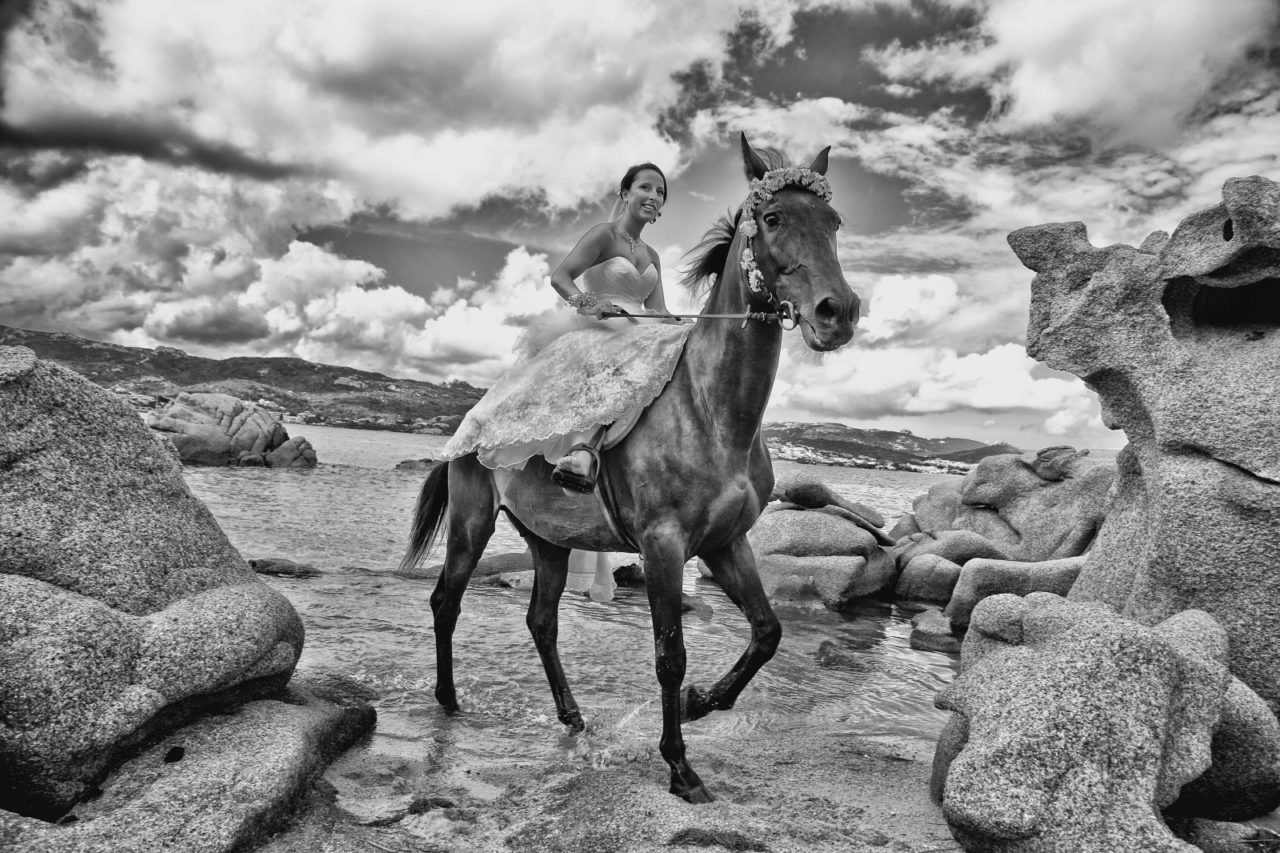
{"x": 816, "y": 549}
{"x": 222, "y": 783}
{"x": 1075, "y": 727}
{"x": 928, "y": 577}
{"x": 124, "y": 610}
{"x": 218, "y": 429}
{"x": 1023, "y": 507}
{"x": 798, "y": 491}
{"x": 981, "y": 578}
{"x": 1180, "y": 338}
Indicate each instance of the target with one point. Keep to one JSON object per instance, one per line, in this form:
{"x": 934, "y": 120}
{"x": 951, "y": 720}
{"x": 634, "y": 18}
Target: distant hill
{"x": 300, "y": 390}
{"x": 304, "y": 392}
{"x": 837, "y": 444}
{"x": 979, "y": 453}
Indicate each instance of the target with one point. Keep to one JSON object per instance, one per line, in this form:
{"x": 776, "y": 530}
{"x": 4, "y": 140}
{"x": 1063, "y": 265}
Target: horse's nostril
{"x": 827, "y": 310}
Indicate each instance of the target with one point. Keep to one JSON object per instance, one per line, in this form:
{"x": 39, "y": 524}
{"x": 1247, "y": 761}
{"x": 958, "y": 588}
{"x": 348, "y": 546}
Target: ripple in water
{"x": 350, "y": 518}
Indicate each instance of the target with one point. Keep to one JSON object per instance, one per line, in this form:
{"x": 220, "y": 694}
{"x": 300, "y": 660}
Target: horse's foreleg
{"x": 734, "y": 568}
{"x": 664, "y": 575}
{"x": 550, "y": 570}
{"x": 472, "y": 514}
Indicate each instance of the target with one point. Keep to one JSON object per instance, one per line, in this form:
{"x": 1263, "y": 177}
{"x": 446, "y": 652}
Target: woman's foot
{"x": 577, "y": 470}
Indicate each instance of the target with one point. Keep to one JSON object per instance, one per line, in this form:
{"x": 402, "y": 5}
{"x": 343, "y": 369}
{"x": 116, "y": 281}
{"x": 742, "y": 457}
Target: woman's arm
{"x": 586, "y": 254}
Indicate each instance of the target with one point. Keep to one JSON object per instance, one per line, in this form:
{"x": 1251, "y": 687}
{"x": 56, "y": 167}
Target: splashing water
{"x": 350, "y": 518}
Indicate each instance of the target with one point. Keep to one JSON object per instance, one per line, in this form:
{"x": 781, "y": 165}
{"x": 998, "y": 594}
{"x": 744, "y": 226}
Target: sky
{"x": 387, "y": 184}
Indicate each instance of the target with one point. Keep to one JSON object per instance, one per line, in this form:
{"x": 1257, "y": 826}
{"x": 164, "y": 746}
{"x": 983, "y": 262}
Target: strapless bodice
{"x": 618, "y": 280}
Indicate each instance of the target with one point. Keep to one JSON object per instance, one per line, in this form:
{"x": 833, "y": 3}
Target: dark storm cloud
{"x": 31, "y": 175}
{"x": 223, "y": 322}
{"x": 704, "y": 85}
{"x": 11, "y": 12}
{"x": 161, "y": 141}
{"x": 824, "y": 58}
{"x": 422, "y": 257}
{"x": 523, "y": 216}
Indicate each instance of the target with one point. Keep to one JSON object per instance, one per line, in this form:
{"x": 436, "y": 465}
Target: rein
{"x": 786, "y": 313}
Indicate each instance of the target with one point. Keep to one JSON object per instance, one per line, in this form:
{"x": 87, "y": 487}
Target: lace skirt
{"x": 574, "y": 375}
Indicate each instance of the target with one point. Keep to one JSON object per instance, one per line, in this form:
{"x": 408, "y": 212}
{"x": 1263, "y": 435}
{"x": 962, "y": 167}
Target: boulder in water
{"x": 296, "y": 452}
{"x": 928, "y": 577}
{"x": 218, "y": 429}
{"x": 1028, "y": 507}
{"x": 809, "y": 557}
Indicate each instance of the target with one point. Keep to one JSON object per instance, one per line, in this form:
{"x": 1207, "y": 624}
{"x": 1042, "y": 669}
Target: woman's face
{"x": 646, "y": 195}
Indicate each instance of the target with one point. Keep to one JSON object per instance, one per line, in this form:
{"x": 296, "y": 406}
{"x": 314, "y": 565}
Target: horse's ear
{"x": 752, "y": 164}
{"x": 819, "y": 163}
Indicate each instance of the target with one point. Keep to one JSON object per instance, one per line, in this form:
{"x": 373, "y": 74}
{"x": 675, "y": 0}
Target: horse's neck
{"x": 733, "y": 367}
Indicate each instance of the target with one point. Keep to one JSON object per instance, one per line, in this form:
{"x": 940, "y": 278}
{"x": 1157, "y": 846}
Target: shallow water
{"x": 350, "y": 516}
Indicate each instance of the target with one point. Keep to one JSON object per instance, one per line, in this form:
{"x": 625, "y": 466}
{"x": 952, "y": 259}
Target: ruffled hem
{"x": 584, "y": 379}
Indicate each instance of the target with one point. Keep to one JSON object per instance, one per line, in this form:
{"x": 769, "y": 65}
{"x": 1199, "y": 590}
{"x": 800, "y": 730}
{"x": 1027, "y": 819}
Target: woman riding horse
{"x": 692, "y": 474}
{"x": 605, "y": 370}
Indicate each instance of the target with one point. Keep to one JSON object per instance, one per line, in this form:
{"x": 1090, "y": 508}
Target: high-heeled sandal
{"x": 572, "y": 480}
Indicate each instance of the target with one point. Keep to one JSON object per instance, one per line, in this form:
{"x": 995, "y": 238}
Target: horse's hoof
{"x": 698, "y": 795}
{"x": 693, "y": 705}
{"x": 448, "y": 700}
{"x": 573, "y": 719}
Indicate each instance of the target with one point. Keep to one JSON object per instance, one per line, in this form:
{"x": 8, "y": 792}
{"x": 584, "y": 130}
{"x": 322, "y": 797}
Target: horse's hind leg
{"x": 472, "y": 514}
{"x": 734, "y": 568}
{"x": 550, "y": 571}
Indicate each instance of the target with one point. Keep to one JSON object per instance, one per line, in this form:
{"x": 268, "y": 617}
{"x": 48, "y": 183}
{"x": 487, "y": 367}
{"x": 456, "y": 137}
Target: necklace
{"x": 631, "y": 241}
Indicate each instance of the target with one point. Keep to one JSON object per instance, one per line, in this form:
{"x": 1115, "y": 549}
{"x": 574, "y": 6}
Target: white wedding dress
{"x": 575, "y": 374}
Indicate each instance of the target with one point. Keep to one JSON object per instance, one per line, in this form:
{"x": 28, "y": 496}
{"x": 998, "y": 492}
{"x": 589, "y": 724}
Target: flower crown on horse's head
{"x": 763, "y": 189}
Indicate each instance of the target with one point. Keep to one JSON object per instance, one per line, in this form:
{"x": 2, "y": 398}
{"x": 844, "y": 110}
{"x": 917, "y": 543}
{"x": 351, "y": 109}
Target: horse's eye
{"x": 772, "y": 220}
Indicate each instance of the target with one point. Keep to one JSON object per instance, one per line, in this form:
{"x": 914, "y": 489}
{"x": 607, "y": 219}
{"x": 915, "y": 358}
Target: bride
{"x": 582, "y": 380}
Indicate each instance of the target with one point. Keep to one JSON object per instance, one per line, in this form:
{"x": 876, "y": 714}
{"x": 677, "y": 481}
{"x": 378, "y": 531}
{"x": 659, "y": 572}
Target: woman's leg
{"x": 603, "y": 585}
{"x": 580, "y": 462}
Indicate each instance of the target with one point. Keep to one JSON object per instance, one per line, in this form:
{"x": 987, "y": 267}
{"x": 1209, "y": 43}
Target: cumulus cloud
{"x": 431, "y": 105}
{"x": 1131, "y": 72}
{"x": 95, "y": 252}
{"x": 902, "y": 302}
{"x": 923, "y": 382}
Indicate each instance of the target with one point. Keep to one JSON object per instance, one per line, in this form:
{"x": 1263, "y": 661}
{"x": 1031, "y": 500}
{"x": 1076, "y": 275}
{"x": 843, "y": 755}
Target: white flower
{"x": 762, "y": 189}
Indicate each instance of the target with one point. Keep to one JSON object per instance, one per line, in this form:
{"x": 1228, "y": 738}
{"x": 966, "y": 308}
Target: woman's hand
{"x": 599, "y": 309}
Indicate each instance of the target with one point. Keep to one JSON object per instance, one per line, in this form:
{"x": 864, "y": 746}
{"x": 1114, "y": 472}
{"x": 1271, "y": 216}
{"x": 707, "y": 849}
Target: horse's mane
{"x": 710, "y": 256}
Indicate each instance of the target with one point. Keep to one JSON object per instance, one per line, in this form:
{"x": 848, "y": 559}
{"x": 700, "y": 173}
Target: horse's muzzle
{"x": 830, "y": 323}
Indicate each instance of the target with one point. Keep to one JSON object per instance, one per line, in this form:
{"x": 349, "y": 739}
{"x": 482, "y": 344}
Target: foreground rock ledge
{"x": 124, "y": 609}
{"x": 219, "y": 784}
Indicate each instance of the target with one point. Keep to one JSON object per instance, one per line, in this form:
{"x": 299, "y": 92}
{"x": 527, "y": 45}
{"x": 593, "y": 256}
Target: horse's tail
{"x": 433, "y": 500}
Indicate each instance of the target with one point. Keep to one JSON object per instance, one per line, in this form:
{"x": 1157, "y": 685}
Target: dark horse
{"x": 689, "y": 480}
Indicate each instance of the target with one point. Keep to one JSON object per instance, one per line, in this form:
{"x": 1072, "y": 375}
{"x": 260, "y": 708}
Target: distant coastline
{"x": 304, "y": 393}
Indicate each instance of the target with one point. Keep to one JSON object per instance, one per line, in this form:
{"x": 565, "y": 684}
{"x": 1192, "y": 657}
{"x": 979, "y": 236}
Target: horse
{"x": 691, "y": 477}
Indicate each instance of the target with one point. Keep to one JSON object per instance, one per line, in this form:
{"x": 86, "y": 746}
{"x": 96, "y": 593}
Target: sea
{"x": 349, "y": 517}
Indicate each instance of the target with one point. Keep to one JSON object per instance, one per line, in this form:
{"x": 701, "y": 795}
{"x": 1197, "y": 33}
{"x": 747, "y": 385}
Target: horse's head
{"x": 789, "y": 248}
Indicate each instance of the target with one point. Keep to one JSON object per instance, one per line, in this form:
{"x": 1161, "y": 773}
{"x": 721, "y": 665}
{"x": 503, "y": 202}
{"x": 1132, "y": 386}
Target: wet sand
{"x": 794, "y": 793}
